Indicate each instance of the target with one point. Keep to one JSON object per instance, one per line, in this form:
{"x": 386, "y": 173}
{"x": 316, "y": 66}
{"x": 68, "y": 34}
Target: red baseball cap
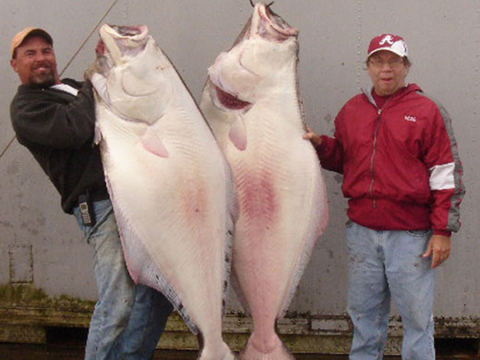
{"x": 388, "y": 42}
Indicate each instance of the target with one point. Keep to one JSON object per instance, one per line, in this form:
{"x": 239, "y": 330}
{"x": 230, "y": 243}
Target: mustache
{"x": 40, "y": 64}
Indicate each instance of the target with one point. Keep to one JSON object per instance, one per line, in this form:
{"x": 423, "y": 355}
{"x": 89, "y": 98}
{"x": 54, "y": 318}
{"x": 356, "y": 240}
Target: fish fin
{"x": 153, "y": 144}
{"x": 221, "y": 352}
{"x": 313, "y": 230}
{"x": 235, "y": 284}
{"x": 238, "y": 135}
{"x": 146, "y": 272}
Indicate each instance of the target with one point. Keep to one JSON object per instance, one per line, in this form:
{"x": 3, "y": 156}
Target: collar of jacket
{"x": 409, "y": 88}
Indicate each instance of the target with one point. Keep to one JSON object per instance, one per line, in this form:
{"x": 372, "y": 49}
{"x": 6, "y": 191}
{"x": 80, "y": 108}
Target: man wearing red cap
{"x": 55, "y": 120}
{"x": 402, "y": 176}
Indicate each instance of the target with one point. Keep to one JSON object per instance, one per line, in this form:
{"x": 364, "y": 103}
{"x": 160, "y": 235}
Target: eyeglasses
{"x": 379, "y": 63}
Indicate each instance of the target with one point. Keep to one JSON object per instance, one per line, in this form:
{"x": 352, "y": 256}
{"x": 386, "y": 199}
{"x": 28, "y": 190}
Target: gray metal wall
{"x": 46, "y": 248}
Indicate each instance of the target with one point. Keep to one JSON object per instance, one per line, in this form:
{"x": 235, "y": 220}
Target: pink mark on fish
{"x": 258, "y": 202}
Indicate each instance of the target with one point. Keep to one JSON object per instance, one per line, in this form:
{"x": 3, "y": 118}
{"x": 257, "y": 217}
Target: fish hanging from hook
{"x": 253, "y": 5}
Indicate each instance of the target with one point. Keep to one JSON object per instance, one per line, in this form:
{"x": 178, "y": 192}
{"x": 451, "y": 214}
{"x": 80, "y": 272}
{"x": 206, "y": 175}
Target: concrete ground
{"x": 69, "y": 345}
{"x": 75, "y": 351}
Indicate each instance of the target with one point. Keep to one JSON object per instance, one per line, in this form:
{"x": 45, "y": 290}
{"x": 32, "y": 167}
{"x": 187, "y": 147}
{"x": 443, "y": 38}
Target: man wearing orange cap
{"x": 402, "y": 176}
{"x": 55, "y": 120}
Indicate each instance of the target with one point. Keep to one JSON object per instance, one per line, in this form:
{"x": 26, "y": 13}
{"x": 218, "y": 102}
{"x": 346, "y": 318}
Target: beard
{"x": 42, "y": 79}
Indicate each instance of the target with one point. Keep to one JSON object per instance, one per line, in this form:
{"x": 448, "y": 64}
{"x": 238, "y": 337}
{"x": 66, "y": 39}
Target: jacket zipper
{"x": 375, "y": 133}
{"x": 372, "y": 173}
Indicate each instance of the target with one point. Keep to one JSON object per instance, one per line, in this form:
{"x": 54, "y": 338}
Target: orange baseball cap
{"x": 20, "y": 37}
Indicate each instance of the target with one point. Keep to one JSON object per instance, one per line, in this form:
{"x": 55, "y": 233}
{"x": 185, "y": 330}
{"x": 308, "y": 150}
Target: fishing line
{"x": 8, "y": 145}
{"x": 70, "y": 61}
{"x": 89, "y": 36}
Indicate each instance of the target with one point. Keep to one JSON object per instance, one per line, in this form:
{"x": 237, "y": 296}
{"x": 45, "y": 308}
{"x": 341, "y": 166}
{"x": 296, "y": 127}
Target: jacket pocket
{"x": 419, "y": 233}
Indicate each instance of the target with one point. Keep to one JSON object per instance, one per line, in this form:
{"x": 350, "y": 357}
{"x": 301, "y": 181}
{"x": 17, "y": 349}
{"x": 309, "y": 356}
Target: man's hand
{"x": 439, "y": 249}
{"x": 314, "y": 138}
{"x": 92, "y": 69}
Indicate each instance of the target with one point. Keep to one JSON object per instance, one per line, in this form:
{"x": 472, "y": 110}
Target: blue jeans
{"x": 128, "y": 319}
{"x": 385, "y": 265}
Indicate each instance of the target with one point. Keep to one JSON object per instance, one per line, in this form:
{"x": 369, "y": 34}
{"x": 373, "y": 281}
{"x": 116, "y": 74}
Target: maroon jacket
{"x": 400, "y": 164}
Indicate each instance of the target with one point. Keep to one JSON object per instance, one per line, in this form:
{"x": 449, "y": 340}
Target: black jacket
{"x": 58, "y": 129}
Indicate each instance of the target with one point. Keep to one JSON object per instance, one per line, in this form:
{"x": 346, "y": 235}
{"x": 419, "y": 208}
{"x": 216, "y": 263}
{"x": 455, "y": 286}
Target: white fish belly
{"x": 282, "y": 204}
{"x": 172, "y": 212}
{"x": 280, "y": 194}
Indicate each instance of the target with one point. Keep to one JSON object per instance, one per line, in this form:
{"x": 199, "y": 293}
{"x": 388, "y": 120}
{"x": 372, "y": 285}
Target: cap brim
{"x": 387, "y": 49}
{"x": 20, "y": 38}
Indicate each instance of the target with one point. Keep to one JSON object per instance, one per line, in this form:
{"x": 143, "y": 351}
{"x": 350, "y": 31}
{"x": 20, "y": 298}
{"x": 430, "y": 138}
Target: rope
{"x": 10, "y": 143}
{"x": 70, "y": 61}
{"x": 89, "y": 36}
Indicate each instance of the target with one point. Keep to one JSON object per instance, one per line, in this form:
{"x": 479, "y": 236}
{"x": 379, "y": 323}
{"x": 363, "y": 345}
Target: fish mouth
{"x": 270, "y": 25}
{"x": 131, "y": 35}
{"x": 266, "y": 24}
{"x": 131, "y": 32}
{"x": 121, "y": 41}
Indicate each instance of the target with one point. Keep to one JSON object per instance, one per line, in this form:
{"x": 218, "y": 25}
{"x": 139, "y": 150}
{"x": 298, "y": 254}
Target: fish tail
{"x": 222, "y": 353}
{"x": 279, "y": 352}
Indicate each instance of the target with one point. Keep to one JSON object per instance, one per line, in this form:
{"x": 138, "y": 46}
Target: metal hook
{"x": 253, "y": 5}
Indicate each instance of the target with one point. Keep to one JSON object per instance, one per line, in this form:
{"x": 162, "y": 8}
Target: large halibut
{"x": 251, "y": 102}
{"x": 169, "y": 182}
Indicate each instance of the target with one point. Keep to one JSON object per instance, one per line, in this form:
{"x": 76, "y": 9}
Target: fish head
{"x": 264, "y": 55}
{"x": 135, "y": 69}
{"x": 267, "y": 24}
{"x": 118, "y": 44}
